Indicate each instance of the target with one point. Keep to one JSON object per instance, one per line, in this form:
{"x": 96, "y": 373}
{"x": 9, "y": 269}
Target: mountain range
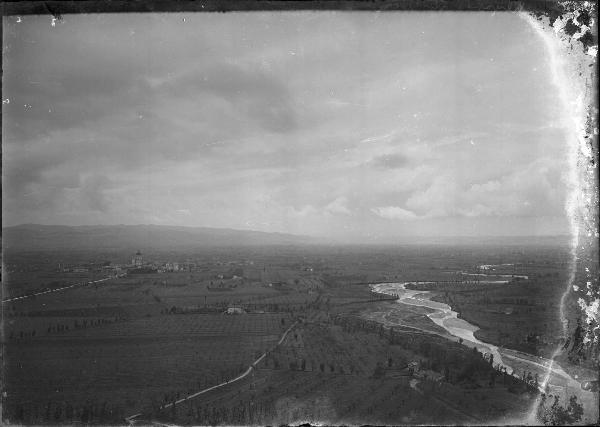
{"x": 55, "y": 237}
{"x": 34, "y": 237}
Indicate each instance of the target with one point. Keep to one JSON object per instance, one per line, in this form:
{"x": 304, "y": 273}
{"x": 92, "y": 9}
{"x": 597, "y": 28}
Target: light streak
{"x": 572, "y": 101}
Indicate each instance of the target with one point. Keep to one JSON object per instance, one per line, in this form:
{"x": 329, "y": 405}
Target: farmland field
{"x": 126, "y": 365}
{"x": 309, "y": 339}
{"x": 339, "y": 373}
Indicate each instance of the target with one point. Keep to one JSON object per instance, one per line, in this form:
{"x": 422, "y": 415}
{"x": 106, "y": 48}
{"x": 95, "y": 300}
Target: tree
{"x": 379, "y": 371}
{"x": 557, "y": 415}
{"x": 173, "y": 410}
{"x": 492, "y": 379}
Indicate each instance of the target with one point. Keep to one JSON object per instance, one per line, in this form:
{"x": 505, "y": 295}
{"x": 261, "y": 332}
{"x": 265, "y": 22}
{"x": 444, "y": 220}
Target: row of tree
{"x": 91, "y": 412}
{"x": 57, "y": 328}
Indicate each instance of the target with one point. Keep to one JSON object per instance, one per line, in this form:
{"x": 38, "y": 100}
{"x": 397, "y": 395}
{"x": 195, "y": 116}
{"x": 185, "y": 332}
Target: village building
{"x": 137, "y": 260}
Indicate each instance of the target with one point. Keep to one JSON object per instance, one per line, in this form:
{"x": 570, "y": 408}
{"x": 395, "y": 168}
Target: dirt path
{"x": 64, "y": 288}
{"x": 131, "y": 419}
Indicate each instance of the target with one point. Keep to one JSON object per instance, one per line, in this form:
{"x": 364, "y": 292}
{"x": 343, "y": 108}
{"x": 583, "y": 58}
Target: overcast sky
{"x": 361, "y": 126}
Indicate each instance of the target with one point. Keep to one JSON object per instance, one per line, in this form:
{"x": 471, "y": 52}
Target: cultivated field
{"x": 126, "y": 366}
{"x": 136, "y": 344}
{"x": 349, "y": 372}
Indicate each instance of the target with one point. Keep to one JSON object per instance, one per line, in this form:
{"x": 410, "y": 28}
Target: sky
{"x": 352, "y": 126}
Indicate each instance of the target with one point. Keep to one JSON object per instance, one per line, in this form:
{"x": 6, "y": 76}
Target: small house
{"x": 413, "y": 367}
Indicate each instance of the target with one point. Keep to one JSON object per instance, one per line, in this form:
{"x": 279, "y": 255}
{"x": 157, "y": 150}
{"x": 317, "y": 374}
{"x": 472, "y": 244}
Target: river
{"x": 515, "y": 362}
{"x": 443, "y": 316}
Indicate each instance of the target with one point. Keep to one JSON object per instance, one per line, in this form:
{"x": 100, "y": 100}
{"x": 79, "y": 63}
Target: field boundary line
{"x": 131, "y": 418}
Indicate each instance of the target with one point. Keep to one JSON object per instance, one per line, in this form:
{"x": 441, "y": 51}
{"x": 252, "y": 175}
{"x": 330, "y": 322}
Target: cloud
{"x": 139, "y": 136}
{"x": 148, "y": 117}
{"x": 250, "y": 91}
{"x": 391, "y": 161}
{"x": 457, "y": 139}
{"x": 395, "y": 213}
{"x": 338, "y": 206}
{"x": 385, "y": 137}
{"x": 92, "y": 192}
{"x": 530, "y": 191}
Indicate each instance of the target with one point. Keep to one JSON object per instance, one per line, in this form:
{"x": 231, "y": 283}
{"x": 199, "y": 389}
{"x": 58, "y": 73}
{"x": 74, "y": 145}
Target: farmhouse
{"x": 235, "y": 310}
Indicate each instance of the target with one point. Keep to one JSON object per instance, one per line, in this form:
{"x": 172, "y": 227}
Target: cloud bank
{"x": 353, "y": 126}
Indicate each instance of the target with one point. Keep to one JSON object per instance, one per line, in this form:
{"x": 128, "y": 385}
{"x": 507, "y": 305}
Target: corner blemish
{"x": 570, "y": 50}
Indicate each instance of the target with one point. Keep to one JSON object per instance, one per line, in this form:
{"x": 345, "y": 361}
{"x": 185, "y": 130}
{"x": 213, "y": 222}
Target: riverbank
{"x": 443, "y": 316}
{"x": 517, "y": 363}
{"x": 487, "y": 320}
{"x": 522, "y": 314}
{"x": 497, "y": 319}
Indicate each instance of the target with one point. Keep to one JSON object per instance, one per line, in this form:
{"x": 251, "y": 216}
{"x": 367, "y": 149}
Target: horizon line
{"x": 335, "y": 239}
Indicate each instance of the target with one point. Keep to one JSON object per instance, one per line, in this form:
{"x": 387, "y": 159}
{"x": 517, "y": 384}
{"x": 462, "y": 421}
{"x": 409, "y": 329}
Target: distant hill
{"x": 553, "y": 241}
{"x": 36, "y": 237}
{"x": 54, "y": 237}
